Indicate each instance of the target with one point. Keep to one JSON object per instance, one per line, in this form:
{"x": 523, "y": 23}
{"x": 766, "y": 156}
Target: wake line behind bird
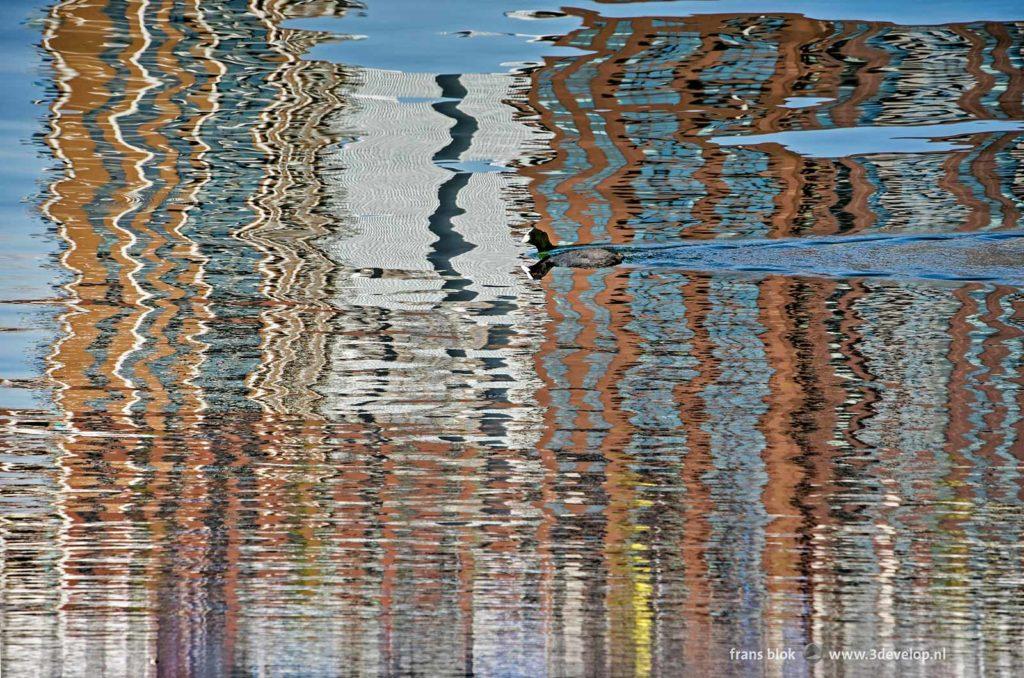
{"x": 994, "y": 257}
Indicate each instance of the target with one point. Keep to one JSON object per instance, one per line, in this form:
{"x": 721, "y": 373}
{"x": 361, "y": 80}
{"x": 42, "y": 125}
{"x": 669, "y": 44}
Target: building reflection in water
{"x": 778, "y": 460}
{"x": 313, "y": 419}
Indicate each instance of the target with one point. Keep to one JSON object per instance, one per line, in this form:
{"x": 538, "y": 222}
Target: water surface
{"x": 279, "y": 399}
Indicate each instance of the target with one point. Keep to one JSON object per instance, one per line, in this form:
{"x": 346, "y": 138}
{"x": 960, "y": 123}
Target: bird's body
{"x": 585, "y": 257}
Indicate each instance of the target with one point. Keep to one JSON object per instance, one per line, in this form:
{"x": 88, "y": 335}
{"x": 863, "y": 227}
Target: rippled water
{"x": 279, "y": 399}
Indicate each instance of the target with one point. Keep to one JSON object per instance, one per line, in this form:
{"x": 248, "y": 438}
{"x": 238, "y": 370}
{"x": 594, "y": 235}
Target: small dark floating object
{"x": 574, "y": 257}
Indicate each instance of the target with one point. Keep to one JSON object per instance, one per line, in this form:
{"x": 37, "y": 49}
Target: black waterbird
{"x": 575, "y": 256}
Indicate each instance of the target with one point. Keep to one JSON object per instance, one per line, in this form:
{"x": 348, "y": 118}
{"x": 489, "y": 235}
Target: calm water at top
{"x": 279, "y": 399}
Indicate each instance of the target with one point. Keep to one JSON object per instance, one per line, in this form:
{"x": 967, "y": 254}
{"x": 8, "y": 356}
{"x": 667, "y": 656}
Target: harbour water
{"x": 279, "y": 399}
